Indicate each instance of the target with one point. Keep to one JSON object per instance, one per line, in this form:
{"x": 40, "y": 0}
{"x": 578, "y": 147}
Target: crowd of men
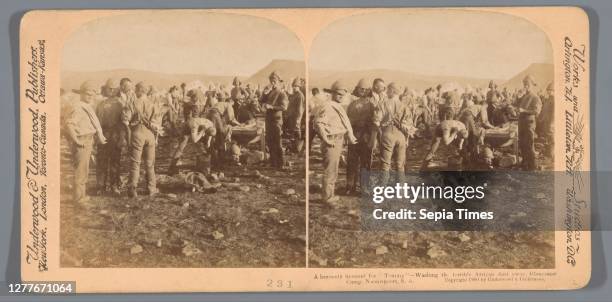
{"x": 378, "y": 120}
{"x": 131, "y": 118}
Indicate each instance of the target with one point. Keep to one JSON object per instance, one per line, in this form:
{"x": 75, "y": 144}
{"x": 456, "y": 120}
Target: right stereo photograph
{"x": 450, "y": 112}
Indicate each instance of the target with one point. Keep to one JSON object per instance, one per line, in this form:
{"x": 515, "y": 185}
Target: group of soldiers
{"x": 131, "y": 118}
{"x": 379, "y": 119}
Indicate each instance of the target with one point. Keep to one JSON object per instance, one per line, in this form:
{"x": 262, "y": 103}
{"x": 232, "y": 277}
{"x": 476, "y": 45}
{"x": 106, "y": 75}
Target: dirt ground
{"x": 232, "y": 227}
{"x": 336, "y": 237}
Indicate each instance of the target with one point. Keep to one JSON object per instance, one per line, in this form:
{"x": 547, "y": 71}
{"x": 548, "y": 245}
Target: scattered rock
{"x": 518, "y": 215}
{"x": 217, "y": 235}
{"x": 259, "y": 186}
{"x": 353, "y": 213}
{"x": 495, "y": 191}
{"x": 463, "y": 237}
{"x": 221, "y": 176}
{"x": 136, "y": 249}
{"x": 158, "y": 243}
{"x": 540, "y": 196}
{"x": 270, "y": 211}
{"x": 172, "y": 195}
{"x": 104, "y": 212}
{"x": 289, "y": 192}
{"x": 185, "y": 205}
{"x": 405, "y": 244}
{"x": 236, "y": 179}
{"x": 317, "y": 259}
{"x": 244, "y": 188}
{"x": 189, "y": 250}
{"x": 381, "y": 250}
{"x": 436, "y": 252}
{"x": 283, "y": 221}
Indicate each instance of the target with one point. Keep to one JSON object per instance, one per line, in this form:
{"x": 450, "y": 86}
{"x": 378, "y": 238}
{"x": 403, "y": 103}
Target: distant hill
{"x": 542, "y": 72}
{"x": 73, "y": 79}
{"x": 287, "y": 69}
{"x": 324, "y": 78}
{"x": 320, "y": 78}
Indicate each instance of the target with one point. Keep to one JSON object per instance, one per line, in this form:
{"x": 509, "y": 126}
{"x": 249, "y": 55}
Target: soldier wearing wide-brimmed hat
{"x": 333, "y": 126}
{"x": 359, "y": 158}
{"x": 529, "y": 107}
{"x": 108, "y": 157}
{"x": 275, "y": 102}
{"x": 82, "y": 125}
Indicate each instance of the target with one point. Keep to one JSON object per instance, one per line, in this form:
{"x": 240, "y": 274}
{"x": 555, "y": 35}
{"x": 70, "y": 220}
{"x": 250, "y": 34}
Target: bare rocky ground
{"x": 337, "y": 239}
{"x": 256, "y": 218}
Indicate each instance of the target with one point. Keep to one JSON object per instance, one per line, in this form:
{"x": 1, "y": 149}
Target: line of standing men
{"x": 378, "y": 118}
{"x": 381, "y": 119}
{"x": 128, "y": 117}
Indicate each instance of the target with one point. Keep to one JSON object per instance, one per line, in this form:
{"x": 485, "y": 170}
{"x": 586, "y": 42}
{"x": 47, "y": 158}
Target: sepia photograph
{"x": 406, "y": 97}
{"x": 305, "y": 149}
{"x": 182, "y": 142}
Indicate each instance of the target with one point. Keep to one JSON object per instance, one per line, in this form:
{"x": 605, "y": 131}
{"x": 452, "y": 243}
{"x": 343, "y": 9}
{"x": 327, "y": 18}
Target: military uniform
{"x": 141, "y": 115}
{"x": 295, "y": 111}
{"x": 532, "y": 106}
{"x": 196, "y": 106}
{"x": 227, "y": 112}
{"x": 82, "y": 125}
{"x": 446, "y": 132}
{"x": 493, "y": 100}
{"x": 395, "y": 123}
{"x": 332, "y": 125}
{"x": 190, "y": 131}
{"x": 274, "y": 124}
{"x": 223, "y": 133}
{"x": 359, "y": 159}
{"x": 452, "y": 103}
{"x": 245, "y": 111}
{"x": 108, "y": 157}
{"x": 375, "y": 99}
{"x": 469, "y": 117}
{"x": 545, "y": 123}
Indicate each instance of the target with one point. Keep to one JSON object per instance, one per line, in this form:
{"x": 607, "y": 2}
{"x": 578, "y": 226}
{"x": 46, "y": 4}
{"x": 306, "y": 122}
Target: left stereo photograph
{"x": 180, "y": 144}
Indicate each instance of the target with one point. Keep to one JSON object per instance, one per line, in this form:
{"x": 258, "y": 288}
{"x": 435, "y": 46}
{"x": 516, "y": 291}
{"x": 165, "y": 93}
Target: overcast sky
{"x": 180, "y": 42}
{"x": 451, "y": 43}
